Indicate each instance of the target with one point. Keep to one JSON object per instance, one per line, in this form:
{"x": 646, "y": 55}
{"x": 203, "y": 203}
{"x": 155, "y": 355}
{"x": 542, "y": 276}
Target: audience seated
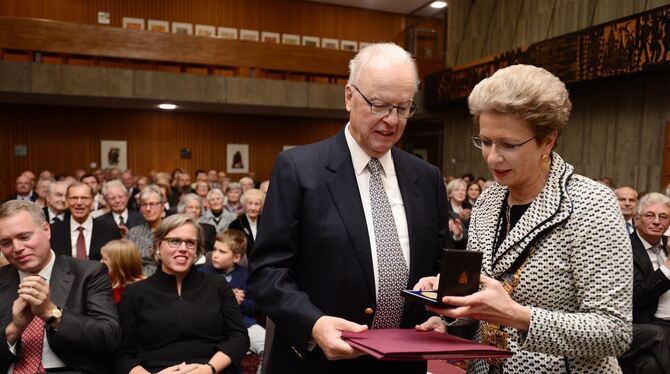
{"x": 124, "y": 265}
{"x": 116, "y": 196}
{"x": 192, "y": 205}
{"x": 152, "y": 202}
{"x": 233, "y": 199}
{"x": 42, "y": 190}
{"x": 81, "y": 236}
{"x": 179, "y": 318}
{"x": 56, "y": 313}
{"x": 24, "y": 189}
{"x": 649, "y": 352}
{"x": 229, "y": 249}
{"x": 98, "y": 205}
{"x": 627, "y": 198}
{"x": 247, "y": 222}
{"x": 247, "y": 183}
{"x": 217, "y": 215}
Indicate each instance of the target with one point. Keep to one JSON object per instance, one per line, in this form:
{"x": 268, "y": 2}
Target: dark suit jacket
{"x": 312, "y": 253}
{"x": 102, "y": 233}
{"x": 46, "y": 214}
{"x": 33, "y": 196}
{"x": 134, "y": 219}
{"x": 242, "y": 224}
{"x": 89, "y": 331}
{"x": 648, "y": 286}
{"x": 210, "y": 236}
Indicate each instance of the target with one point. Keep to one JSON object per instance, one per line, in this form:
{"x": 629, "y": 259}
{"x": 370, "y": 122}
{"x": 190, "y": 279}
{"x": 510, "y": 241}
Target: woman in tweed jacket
{"x": 571, "y": 309}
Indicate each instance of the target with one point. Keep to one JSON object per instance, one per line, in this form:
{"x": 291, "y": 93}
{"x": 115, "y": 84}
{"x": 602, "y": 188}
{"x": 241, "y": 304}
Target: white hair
{"x": 389, "y": 50}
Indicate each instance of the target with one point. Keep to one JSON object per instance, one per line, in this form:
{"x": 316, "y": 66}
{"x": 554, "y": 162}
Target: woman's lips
{"x": 500, "y": 173}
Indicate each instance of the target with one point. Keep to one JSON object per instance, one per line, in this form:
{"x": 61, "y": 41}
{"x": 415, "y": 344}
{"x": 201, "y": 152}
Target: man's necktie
{"x": 657, "y": 251}
{"x": 55, "y": 219}
{"x": 629, "y": 228}
{"x": 121, "y": 223}
{"x": 81, "y": 244}
{"x": 391, "y": 264}
{"x": 32, "y": 341}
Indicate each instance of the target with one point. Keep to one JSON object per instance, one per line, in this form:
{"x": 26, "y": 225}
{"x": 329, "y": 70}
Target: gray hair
{"x": 528, "y": 92}
{"x": 389, "y": 50}
{"x": 650, "y": 199}
{"x": 186, "y": 199}
{"x": 215, "y": 191}
{"x": 251, "y": 193}
{"x": 53, "y": 186}
{"x": 151, "y": 189}
{"x": 114, "y": 183}
{"x": 174, "y": 222}
{"x": 234, "y": 186}
{"x": 13, "y": 207}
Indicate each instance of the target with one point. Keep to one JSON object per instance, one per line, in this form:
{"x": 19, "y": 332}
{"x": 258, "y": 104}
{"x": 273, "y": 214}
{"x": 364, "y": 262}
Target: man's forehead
{"x": 656, "y": 208}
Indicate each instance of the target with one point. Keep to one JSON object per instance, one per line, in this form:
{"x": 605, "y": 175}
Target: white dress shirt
{"x": 49, "y": 358}
{"x": 52, "y": 215}
{"x": 253, "y": 225}
{"x": 124, "y": 214}
{"x": 360, "y": 161}
{"x": 663, "y": 310}
{"x": 74, "y": 234}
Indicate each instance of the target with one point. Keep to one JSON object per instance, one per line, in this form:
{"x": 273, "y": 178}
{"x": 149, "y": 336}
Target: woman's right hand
{"x": 427, "y": 284}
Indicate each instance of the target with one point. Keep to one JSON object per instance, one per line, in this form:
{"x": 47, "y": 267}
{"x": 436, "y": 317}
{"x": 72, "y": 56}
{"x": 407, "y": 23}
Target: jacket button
{"x": 369, "y": 311}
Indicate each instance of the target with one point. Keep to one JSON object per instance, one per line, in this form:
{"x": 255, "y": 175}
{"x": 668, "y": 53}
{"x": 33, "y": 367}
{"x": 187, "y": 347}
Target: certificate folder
{"x": 410, "y": 345}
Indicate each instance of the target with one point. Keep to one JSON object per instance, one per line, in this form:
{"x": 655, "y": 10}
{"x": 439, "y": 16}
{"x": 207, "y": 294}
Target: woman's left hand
{"x": 491, "y": 304}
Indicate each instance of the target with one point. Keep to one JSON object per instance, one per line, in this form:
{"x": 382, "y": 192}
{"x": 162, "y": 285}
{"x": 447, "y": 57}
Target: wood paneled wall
{"x": 486, "y": 27}
{"x": 282, "y": 16}
{"x": 616, "y": 129}
{"x": 63, "y": 139}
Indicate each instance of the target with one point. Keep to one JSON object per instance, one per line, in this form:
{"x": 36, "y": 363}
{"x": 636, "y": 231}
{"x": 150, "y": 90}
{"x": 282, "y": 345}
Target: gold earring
{"x": 546, "y": 162}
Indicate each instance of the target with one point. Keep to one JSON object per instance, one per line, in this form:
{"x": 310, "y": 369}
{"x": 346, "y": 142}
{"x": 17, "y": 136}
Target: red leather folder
{"x": 410, "y": 345}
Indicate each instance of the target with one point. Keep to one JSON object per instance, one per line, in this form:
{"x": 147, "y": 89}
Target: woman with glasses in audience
{"x": 152, "y": 203}
{"x": 180, "y": 320}
{"x": 557, "y": 275}
{"x": 192, "y": 205}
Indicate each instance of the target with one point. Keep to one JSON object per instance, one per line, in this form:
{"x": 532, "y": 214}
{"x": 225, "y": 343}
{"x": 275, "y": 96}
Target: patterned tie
{"x": 81, "y": 244}
{"x": 121, "y": 223}
{"x": 391, "y": 264}
{"x": 657, "y": 251}
{"x": 32, "y": 341}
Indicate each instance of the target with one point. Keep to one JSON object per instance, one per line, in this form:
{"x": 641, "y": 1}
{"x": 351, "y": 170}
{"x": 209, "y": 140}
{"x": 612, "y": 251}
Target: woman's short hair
{"x": 125, "y": 263}
{"x": 253, "y": 193}
{"x": 151, "y": 189}
{"x": 215, "y": 191}
{"x": 650, "y": 199}
{"x": 187, "y": 199}
{"x": 174, "y": 222}
{"x": 455, "y": 183}
{"x": 234, "y": 186}
{"x": 526, "y": 92}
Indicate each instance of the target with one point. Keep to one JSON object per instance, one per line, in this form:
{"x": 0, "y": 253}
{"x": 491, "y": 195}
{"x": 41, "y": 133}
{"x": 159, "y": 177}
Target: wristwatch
{"x": 56, "y": 314}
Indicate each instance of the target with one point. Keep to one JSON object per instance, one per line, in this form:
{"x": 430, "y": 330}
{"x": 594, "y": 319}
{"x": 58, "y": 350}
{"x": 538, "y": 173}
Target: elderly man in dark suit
{"x": 80, "y": 235}
{"x": 116, "y": 195}
{"x": 56, "y": 209}
{"x": 347, "y": 224}
{"x": 56, "y": 313}
{"x": 650, "y": 350}
{"x": 24, "y": 189}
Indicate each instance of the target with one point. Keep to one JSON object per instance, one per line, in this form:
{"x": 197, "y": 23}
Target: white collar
{"x": 361, "y": 159}
{"x": 88, "y": 224}
{"x": 45, "y": 272}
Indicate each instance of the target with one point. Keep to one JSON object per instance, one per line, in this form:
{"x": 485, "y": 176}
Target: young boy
{"x": 229, "y": 249}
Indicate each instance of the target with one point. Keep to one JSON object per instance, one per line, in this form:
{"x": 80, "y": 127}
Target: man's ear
{"x": 348, "y": 97}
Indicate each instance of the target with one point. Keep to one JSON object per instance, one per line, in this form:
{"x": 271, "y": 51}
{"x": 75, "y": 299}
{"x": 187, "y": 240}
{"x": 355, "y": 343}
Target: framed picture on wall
{"x": 227, "y": 33}
{"x": 133, "y": 23}
{"x": 349, "y": 45}
{"x": 113, "y": 153}
{"x": 237, "y": 158}
{"x": 205, "y": 30}
{"x": 251, "y": 35}
{"x": 330, "y": 43}
{"x": 310, "y": 41}
{"x": 182, "y": 28}
{"x": 158, "y": 25}
{"x": 290, "y": 39}
{"x": 269, "y": 37}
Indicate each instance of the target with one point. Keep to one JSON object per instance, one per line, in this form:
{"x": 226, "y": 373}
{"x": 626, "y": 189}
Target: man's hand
{"x": 21, "y": 318}
{"x": 433, "y": 323}
{"x": 34, "y": 290}
{"x": 427, "y": 284}
{"x": 239, "y": 295}
{"x": 327, "y": 333}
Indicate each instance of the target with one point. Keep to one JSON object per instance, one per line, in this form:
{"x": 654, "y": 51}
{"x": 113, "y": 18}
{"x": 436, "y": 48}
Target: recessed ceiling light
{"x": 438, "y": 4}
{"x": 167, "y": 106}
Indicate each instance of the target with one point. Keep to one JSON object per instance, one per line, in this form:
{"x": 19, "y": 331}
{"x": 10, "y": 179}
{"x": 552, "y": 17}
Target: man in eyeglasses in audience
{"x": 347, "y": 225}
{"x": 650, "y": 350}
{"x": 81, "y": 236}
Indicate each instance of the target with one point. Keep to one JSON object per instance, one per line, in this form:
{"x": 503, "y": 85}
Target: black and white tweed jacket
{"x": 579, "y": 282}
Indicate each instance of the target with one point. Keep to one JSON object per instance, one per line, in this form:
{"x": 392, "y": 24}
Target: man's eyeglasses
{"x": 150, "y": 205}
{"x": 384, "y": 109}
{"x": 651, "y": 217}
{"x": 175, "y": 243}
{"x": 502, "y": 146}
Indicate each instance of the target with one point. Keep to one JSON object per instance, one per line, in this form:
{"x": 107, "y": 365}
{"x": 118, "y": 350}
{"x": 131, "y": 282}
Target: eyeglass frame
{"x": 151, "y": 205}
{"x": 648, "y": 216}
{"x": 506, "y": 147}
{"x": 412, "y": 106}
{"x": 189, "y": 244}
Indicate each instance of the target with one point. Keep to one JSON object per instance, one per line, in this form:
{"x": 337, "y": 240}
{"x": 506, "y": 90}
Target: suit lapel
{"x": 61, "y": 281}
{"x": 343, "y": 188}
